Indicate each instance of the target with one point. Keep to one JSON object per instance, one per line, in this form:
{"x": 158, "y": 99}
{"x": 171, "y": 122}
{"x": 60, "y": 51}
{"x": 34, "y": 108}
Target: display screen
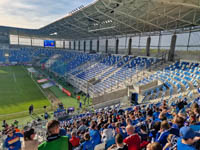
{"x": 49, "y": 43}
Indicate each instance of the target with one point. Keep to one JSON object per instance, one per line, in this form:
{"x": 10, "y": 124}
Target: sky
{"x": 35, "y": 14}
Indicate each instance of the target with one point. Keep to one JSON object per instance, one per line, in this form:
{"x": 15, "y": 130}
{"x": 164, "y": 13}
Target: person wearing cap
{"x": 187, "y": 139}
{"x": 12, "y": 141}
{"x": 54, "y": 140}
{"x": 29, "y": 142}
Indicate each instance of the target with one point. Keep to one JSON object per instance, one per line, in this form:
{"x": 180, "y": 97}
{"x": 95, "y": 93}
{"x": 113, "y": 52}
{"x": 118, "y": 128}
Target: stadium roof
{"x": 122, "y": 17}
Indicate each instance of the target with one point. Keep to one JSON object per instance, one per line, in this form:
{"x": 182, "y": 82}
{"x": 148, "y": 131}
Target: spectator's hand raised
{"x": 196, "y": 138}
{"x": 113, "y": 146}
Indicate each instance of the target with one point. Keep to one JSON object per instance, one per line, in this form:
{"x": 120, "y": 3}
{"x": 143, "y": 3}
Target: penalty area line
{"x": 14, "y": 77}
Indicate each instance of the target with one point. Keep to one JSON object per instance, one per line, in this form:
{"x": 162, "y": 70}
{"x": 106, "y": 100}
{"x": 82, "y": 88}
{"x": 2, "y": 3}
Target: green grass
{"x": 18, "y": 92}
{"x": 24, "y": 120}
{"x": 66, "y": 100}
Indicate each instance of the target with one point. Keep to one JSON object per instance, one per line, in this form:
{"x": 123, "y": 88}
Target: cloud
{"x": 35, "y": 13}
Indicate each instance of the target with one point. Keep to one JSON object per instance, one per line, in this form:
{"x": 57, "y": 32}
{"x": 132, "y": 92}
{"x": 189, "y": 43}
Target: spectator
{"x": 177, "y": 123}
{"x": 62, "y": 132}
{"x": 156, "y": 113}
{"x": 108, "y": 138}
{"x": 133, "y": 140}
{"x": 162, "y": 116}
{"x": 82, "y": 127}
{"x": 181, "y": 104}
{"x": 188, "y": 138}
{"x": 75, "y": 141}
{"x": 119, "y": 130}
{"x": 143, "y": 133}
{"x": 119, "y": 143}
{"x": 162, "y": 135}
{"x": 154, "y": 146}
{"x": 128, "y": 121}
{"x": 95, "y": 135}
{"x": 29, "y": 142}
{"x": 54, "y": 141}
{"x": 171, "y": 142}
{"x": 87, "y": 145}
{"x": 15, "y": 123}
{"x": 192, "y": 118}
{"x": 12, "y": 141}
{"x": 16, "y": 129}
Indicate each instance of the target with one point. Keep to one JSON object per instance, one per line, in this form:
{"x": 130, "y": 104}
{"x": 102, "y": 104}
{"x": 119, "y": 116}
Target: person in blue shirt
{"x": 87, "y": 145}
{"x": 187, "y": 139}
{"x": 154, "y": 131}
{"x": 95, "y": 135}
{"x": 171, "y": 142}
{"x": 62, "y": 132}
{"x": 161, "y": 136}
{"x": 119, "y": 130}
{"x": 156, "y": 113}
{"x": 12, "y": 141}
{"x": 178, "y": 122}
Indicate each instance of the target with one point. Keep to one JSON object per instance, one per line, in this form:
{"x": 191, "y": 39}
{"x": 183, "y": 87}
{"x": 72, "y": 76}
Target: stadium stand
{"x": 139, "y": 62}
{"x": 177, "y": 78}
{"x": 20, "y": 56}
{"x": 112, "y": 71}
{"x": 2, "y": 58}
{"x": 153, "y": 122}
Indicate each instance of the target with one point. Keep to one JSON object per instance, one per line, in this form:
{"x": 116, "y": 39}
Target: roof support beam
{"x": 116, "y": 20}
{"x": 179, "y": 18}
{"x": 71, "y": 34}
{"x": 84, "y": 30}
{"x": 172, "y": 2}
{"x": 138, "y": 19}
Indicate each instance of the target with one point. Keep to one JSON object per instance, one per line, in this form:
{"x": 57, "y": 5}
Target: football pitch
{"x": 18, "y": 91}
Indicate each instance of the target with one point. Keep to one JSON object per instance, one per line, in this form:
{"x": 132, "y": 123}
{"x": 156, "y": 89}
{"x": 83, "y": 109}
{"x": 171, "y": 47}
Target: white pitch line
{"x": 14, "y": 77}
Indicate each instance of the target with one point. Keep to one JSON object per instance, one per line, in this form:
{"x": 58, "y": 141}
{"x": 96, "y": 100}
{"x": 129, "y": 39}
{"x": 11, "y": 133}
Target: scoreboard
{"x": 49, "y": 43}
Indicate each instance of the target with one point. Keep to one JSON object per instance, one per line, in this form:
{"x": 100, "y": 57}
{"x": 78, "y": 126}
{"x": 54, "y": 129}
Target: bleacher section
{"x": 2, "y": 57}
{"x": 22, "y": 56}
{"x": 98, "y": 67}
{"x": 98, "y": 74}
{"x": 177, "y": 78}
{"x": 127, "y": 68}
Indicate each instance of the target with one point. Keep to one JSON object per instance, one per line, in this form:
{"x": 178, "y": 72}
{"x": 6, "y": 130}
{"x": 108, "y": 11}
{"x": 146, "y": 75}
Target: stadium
{"x": 113, "y": 74}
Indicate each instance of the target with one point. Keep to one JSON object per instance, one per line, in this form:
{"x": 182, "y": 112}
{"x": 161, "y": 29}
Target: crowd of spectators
{"x": 60, "y": 112}
{"x": 153, "y": 127}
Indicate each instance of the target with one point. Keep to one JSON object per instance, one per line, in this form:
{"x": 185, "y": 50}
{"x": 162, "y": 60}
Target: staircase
{"x": 51, "y": 60}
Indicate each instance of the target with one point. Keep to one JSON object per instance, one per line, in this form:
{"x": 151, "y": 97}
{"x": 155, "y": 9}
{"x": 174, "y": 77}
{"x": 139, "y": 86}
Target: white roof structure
{"x": 121, "y": 17}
